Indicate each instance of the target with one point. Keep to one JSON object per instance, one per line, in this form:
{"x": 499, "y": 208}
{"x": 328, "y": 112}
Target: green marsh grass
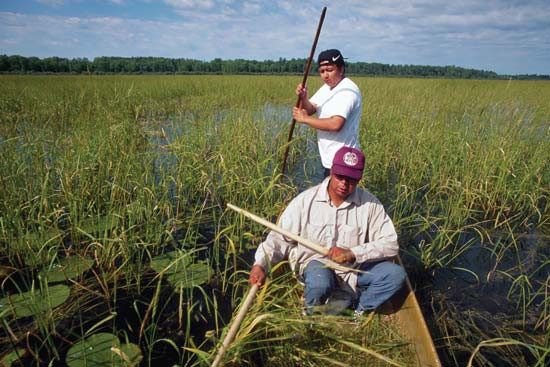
{"x": 126, "y": 168}
{"x": 274, "y": 331}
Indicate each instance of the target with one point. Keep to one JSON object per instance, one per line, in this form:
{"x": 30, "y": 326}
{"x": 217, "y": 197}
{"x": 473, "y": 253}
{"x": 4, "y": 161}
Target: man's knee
{"x": 317, "y": 294}
{"x": 319, "y": 282}
{"x": 397, "y": 275}
{"x": 318, "y": 285}
{"x": 383, "y": 273}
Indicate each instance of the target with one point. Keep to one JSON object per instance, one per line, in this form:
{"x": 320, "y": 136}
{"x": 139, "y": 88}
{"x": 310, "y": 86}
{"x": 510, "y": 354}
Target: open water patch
{"x": 482, "y": 277}
{"x": 493, "y": 289}
{"x": 272, "y": 119}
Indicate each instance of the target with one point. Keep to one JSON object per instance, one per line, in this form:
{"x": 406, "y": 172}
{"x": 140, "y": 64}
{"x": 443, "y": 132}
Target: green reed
{"x": 125, "y": 168}
{"x": 275, "y": 331}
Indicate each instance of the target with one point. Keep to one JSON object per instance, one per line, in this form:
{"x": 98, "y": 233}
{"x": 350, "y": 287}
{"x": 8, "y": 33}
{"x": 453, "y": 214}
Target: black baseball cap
{"x": 330, "y": 57}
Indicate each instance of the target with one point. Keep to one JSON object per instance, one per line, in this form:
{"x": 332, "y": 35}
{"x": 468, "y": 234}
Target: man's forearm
{"x": 334, "y": 123}
{"x": 308, "y": 106}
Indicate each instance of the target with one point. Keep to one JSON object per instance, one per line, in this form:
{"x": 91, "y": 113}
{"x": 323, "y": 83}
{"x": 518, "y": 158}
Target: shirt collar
{"x": 323, "y": 194}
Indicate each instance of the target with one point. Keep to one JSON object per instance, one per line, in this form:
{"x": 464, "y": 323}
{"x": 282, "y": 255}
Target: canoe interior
{"x": 405, "y": 307}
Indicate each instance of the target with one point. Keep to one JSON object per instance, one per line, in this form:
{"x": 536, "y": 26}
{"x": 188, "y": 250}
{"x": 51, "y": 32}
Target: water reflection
{"x": 305, "y": 171}
{"x": 493, "y": 289}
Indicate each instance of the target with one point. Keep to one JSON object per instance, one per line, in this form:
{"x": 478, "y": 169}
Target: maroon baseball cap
{"x": 348, "y": 162}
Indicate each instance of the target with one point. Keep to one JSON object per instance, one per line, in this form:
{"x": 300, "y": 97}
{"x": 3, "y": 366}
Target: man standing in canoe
{"x": 338, "y": 105}
{"x": 351, "y": 223}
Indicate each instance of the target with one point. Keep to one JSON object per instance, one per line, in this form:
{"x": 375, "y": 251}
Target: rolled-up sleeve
{"x": 276, "y": 247}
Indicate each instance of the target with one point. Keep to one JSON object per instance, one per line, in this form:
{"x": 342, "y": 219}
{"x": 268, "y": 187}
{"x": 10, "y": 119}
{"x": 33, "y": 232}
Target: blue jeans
{"x": 378, "y": 282}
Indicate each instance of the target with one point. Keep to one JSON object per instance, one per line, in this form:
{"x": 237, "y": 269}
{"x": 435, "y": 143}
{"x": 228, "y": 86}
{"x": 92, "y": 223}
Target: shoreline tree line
{"x": 16, "y": 64}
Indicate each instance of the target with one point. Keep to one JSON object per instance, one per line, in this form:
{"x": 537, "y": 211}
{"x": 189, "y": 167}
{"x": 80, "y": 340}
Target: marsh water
{"x": 132, "y": 174}
{"x": 477, "y": 293}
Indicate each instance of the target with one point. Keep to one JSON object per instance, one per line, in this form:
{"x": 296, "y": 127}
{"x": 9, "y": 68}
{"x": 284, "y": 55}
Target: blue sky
{"x": 505, "y": 36}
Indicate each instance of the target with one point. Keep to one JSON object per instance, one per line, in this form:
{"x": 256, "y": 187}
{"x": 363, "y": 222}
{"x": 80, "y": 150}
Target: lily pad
{"x": 98, "y": 225}
{"x": 103, "y": 349}
{"x": 31, "y": 245}
{"x": 194, "y": 275}
{"x": 34, "y": 302}
{"x": 67, "y": 268}
{"x": 170, "y": 262}
{"x": 5, "y": 271}
{"x": 36, "y": 239}
{"x": 7, "y": 359}
{"x": 180, "y": 270}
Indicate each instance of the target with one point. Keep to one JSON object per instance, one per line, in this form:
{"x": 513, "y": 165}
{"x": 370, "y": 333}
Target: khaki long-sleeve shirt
{"x": 360, "y": 224}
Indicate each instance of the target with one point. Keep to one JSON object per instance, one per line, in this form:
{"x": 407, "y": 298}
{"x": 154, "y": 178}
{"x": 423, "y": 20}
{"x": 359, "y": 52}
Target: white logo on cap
{"x": 351, "y": 159}
{"x": 335, "y": 58}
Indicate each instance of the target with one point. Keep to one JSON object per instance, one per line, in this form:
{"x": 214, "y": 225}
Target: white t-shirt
{"x": 344, "y": 100}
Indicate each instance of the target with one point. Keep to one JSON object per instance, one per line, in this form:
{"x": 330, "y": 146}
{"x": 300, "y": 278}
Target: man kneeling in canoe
{"x": 350, "y": 222}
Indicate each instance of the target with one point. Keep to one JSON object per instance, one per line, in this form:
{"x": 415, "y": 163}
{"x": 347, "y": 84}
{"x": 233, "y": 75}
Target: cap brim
{"x": 355, "y": 174}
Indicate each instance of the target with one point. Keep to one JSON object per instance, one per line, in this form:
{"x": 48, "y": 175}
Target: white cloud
{"x": 286, "y": 5}
{"x": 191, "y": 4}
{"x": 251, "y": 8}
{"x": 468, "y": 33}
{"x": 72, "y": 20}
{"x": 51, "y": 2}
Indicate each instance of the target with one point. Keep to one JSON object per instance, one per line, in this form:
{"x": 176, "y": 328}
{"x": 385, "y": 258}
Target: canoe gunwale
{"x": 405, "y": 307}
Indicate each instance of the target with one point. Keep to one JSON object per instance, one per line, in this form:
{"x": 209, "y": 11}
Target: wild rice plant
{"x": 126, "y": 168}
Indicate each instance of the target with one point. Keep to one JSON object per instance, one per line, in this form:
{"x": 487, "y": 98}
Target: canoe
{"x": 403, "y": 304}
{"x": 410, "y": 319}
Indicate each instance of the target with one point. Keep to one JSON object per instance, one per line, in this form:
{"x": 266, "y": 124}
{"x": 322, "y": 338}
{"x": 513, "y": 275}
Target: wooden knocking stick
{"x": 304, "y": 242}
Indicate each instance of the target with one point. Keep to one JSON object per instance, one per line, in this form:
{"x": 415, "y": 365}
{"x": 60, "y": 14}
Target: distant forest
{"x": 16, "y": 64}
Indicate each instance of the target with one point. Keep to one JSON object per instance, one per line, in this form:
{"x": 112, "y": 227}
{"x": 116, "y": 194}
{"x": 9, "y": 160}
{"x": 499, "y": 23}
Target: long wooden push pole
{"x": 304, "y": 80}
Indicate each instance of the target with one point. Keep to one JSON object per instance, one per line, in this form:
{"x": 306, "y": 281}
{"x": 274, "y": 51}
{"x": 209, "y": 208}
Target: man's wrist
{"x": 350, "y": 256}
